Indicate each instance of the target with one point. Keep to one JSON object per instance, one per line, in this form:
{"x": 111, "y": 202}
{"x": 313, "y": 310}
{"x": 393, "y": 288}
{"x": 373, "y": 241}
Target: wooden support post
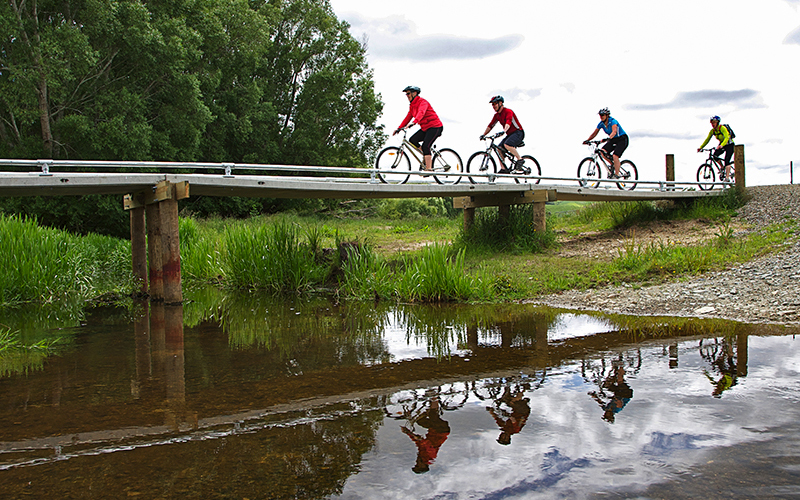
{"x": 469, "y": 218}
{"x": 738, "y": 165}
{"x": 153, "y": 217}
{"x": 670, "y": 172}
{"x": 539, "y": 217}
{"x": 139, "y": 248}
{"x": 171, "y": 252}
{"x": 504, "y": 212}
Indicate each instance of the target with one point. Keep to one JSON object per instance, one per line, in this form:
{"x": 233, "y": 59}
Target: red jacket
{"x": 423, "y": 114}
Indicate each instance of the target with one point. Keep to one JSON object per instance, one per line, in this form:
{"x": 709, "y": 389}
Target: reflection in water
{"x": 251, "y": 397}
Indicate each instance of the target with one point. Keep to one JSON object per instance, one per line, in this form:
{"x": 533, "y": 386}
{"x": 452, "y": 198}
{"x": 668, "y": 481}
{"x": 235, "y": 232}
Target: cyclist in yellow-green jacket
{"x": 725, "y": 143}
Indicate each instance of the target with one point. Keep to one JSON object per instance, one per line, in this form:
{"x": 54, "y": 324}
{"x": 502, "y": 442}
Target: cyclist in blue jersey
{"x": 617, "y": 140}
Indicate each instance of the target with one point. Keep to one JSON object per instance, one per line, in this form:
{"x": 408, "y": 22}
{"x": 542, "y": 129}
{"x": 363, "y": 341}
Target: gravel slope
{"x": 765, "y": 290}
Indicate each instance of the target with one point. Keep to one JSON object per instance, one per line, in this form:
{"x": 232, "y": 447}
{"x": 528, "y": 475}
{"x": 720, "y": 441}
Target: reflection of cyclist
{"x": 725, "y": 144}
{"x": 621, "y": 394}
{"x": 512, "y": 422}
{"x": 723, "y": 361}
{"x": 428, "y": 446}
{"x": 430, "y": 127}
{"x": 617, "y": 140}
{"x": 514, "y": 133}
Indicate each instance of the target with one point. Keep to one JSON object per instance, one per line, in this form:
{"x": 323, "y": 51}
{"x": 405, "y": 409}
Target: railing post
{"x": 670, "y": 171}
{"x": 738, "y": 165}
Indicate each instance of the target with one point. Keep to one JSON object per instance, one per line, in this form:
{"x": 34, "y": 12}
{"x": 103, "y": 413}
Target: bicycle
{"x": 483, "y": 163}
{"x": 394, "y": 165}
{"x": 592, "y": 167}
{"x": 705, "y": 173}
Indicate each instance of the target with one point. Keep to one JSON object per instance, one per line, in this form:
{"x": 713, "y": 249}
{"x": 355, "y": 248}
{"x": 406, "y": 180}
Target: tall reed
{"x": 270, "y": 257}
{"x": 435, "y": 275}
{"x": 44, "y": 264}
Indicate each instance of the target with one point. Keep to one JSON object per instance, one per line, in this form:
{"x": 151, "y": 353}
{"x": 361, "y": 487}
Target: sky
{"x": 662, "y": 68}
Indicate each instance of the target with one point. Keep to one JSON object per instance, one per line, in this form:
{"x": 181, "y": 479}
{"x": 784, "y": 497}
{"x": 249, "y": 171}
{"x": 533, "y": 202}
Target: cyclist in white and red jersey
{"x": 511, "y": 126}
{"x": 430, "y": 127}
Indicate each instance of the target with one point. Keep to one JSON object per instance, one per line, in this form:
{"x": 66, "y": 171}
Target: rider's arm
{"x": 594, "y": 134}
{"x": 710, "y": 133}
{"x": 613, "y": 132}
{"x": 404, "y": 122}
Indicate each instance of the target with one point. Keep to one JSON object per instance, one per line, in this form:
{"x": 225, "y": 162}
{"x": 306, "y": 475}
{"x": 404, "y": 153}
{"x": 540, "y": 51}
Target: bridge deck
{"x": 272, "y": 186}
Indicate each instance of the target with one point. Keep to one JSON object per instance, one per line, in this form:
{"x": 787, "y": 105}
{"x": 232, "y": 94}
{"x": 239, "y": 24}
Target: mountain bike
{"x": 592, "y": 167}
{"x": 483, "y": 163}
{"x": 394, "y": 165}
{"x": 706, "y": 175}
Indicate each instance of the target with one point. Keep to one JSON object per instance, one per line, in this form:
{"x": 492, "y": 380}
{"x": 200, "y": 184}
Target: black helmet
{"x": 604, "y": 111}
{"x": 411, "y": 88}
{"x": 497, "y": 98}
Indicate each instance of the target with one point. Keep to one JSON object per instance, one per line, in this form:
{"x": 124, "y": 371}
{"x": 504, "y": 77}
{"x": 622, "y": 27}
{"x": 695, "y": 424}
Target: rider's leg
{"x": 513, "y": 151}
{"x": 616, "y": 165}
{"x": 430, "y": 135}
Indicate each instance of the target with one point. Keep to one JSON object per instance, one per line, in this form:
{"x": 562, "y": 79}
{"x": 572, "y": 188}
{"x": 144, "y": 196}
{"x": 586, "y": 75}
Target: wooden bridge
{"x": 152, "y": 197}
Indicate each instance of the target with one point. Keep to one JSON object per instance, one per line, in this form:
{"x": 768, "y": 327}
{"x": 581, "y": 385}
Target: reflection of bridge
{"x": 152, "y": 198}
{"x": 159, "y": 384}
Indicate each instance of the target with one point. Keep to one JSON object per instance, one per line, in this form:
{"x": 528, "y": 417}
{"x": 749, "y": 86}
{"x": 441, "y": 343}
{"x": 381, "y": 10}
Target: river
{"x": 245, "y": 396}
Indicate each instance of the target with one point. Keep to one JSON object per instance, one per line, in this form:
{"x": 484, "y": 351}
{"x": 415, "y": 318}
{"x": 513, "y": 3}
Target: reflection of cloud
{"x": 395, "y": 37}
{"x": 666, "y": 135}
{"x": 793, "y": 37}
{"x": 742, "y": 99}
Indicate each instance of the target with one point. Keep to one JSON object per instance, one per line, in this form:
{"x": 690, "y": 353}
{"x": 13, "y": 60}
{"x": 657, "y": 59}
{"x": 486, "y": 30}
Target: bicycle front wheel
{"x": 705, "y": 177}
{"x": 530, "y": 167}
{"x": 589, "y": 170}
{"x": 446, "y": 161}
{"x": 393, "y": 166}
{"x": 628, "y": 172}
{"x": 481, "y": 163}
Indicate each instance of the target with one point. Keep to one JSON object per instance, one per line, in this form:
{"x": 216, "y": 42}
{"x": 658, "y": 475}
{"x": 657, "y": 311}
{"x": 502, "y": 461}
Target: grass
{"x": 401, "y": 256}
{"x": 46, "y": 264}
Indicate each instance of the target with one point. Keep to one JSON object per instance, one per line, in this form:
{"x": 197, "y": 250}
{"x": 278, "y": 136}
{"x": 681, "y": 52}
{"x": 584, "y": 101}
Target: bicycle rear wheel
{"x": 481, "y": 163}
{"x": 393, "y": 166}
{"x": 627, "y": 171}
{"x": 589, "y": 170}
{"x": 705, "y": 177}
{"x": 530, "y": 167}
{"x": 447, "y": 161}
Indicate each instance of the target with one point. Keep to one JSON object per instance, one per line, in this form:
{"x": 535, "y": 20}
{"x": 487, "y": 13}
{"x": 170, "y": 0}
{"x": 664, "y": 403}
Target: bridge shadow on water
{"x": 241, "y": 395}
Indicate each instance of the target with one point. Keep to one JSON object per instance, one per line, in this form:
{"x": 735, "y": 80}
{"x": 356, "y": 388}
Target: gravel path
{"x": 765, "y": 290}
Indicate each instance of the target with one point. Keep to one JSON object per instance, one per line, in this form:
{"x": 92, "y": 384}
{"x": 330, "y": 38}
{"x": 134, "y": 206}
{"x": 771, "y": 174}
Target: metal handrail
{"x": 45, "y": 168}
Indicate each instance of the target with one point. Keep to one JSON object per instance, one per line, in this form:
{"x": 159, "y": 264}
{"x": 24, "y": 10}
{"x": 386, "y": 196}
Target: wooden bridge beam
{"x": 160, "y": 208}
{"x": 738, "y": 165}
{"x": 504, "y": 201}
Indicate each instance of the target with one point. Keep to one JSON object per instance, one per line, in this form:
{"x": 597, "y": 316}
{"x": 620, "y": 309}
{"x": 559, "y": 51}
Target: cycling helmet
{"x": 715, "y": 118}
{"x": 604, "y": 111}
{"x": 411, "y": 88}
{"x": 497, "y": 98}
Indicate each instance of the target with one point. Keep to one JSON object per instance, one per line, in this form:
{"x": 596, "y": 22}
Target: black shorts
{"x": 426, "y": 137}
{"x": 514, "y": 139}
{"x": 617, "y": 145}
{"x": 728, "y": 150}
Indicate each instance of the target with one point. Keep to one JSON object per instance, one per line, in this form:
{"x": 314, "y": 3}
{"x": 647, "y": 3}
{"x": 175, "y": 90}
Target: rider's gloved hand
{"x": 586, "y": 141}
{"x": 482, "y": 137}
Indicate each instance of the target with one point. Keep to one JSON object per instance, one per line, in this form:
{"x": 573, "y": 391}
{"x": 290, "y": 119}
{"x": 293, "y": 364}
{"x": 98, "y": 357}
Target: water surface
{"x": 250, "y": 397}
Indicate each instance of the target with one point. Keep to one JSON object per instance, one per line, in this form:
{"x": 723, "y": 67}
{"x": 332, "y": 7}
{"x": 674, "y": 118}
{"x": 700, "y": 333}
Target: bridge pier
{"x": 503, "y": 202}
{"x": 156, "y": 214}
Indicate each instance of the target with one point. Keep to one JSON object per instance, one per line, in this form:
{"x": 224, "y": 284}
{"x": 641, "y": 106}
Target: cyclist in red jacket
{"x": 430, "y": 126}
{"x": 511, "y": 126}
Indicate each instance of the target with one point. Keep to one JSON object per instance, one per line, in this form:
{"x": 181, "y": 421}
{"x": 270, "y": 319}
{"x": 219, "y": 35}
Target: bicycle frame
{"x": 705, "y": 173}
{"x": 716, "y": 161}
{"x": 500, "y": 153}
